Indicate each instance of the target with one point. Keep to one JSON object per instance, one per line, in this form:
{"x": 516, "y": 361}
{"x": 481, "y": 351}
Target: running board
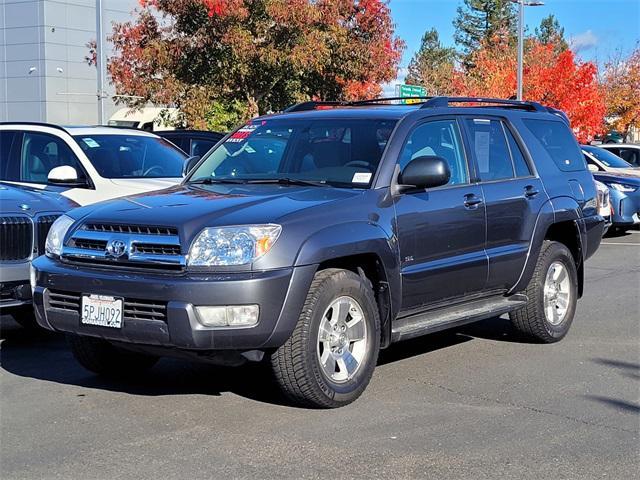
{"x": 454, "y": 316}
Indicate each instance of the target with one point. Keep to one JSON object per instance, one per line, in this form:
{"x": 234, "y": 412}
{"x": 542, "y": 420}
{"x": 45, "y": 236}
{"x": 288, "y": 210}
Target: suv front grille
{"x": 156, "y": 249}
{"x": 16, "y": 238}
{"x": 131, "y": 229}
{"x": 134, "y": 309}
{"x": 133, "y": 246}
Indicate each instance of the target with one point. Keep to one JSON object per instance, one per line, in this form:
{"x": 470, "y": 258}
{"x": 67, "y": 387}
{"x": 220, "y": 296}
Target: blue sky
{"x": 595, "y": 28}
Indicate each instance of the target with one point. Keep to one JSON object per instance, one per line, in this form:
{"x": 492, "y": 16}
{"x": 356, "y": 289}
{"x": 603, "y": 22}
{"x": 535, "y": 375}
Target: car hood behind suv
{"x": 31, "y": 201}
{"x": 191, "y": 208}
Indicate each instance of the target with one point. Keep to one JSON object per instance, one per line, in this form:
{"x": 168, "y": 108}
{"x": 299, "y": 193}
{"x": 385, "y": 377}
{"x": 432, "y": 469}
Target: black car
{"x": 195, "y": 143}
{"x": 26, "y": 214}
{"x": 318, "y": 236}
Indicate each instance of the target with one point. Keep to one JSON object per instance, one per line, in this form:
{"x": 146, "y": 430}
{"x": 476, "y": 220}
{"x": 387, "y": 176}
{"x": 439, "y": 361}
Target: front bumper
{"x": 626, "y": 208}
{"x": 15, "y": 290}
{"x": 280, "y": 295}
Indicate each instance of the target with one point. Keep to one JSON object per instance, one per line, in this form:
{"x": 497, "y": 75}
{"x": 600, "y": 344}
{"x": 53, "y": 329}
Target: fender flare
{"x": 553, "y": 211}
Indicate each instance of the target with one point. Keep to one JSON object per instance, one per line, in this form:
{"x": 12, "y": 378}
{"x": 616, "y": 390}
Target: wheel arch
{"x": 363, "y": 248}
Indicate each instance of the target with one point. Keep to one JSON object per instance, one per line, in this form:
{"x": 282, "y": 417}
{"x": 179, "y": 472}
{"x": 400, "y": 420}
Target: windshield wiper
{"x": 211, "y": 181}
{"x": 287, "y": 181}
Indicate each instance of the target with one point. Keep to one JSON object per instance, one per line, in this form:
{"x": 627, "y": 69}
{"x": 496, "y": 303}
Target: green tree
{"x": 480, "y": 22}
{"x": 432, "y": 65}
{"x": 551, "y": 33}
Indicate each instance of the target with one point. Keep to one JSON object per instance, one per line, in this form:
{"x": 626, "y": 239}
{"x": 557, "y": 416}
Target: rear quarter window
{"x": 559, "y": 142}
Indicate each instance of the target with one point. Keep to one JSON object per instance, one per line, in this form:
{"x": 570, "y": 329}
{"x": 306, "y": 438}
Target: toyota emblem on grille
{"x": 116, "y": 248}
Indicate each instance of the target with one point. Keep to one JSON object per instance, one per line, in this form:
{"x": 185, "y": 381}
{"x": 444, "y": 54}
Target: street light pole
{"x": 100, "y": 62}
{"x": 521, "y": 5}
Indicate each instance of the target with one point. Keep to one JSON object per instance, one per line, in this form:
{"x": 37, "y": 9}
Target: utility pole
{"x": 100, "y": 63}
{"x": 521, "y": 5}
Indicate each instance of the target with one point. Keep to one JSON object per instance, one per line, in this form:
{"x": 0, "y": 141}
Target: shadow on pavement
{"x": 46, "y": 356}
{"x": 615, "y": 403}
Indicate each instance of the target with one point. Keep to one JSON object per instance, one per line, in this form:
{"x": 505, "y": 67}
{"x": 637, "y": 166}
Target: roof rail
{"x": 441, "y": 102}
{"x": 36, "y": 124}
{"x": 313, "y": 105}
{"x": 386, "y": 99}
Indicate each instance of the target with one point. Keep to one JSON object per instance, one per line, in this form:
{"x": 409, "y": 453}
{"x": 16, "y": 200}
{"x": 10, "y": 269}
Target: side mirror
{"x": 425, "y": 172}
{"x": 189, "y": 163}
{"x": 64, "y": 175}
{"x": 592, "y": 167}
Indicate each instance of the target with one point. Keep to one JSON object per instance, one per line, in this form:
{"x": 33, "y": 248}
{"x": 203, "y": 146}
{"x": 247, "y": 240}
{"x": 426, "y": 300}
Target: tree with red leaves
{"x": 552, "y": 77}
{"x": 265, "y": 54}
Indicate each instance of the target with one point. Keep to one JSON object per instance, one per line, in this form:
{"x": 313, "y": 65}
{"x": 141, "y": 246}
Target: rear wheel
{"x": 103, "y": 358}
{"x": 330, "y": 357}
{"x": 552, "y": 293}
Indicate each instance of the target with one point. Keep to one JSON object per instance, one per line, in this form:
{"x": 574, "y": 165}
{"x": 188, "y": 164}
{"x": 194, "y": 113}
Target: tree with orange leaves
{"x": 622, "y": 87}
{"x": 263, "y": 54}
{"x": 551, "y": 77}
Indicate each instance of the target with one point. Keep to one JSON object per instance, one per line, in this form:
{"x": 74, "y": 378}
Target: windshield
{"x": 607, "y": 158}
{"x": 132, "y": 156}
{"x": 335, "y": 152}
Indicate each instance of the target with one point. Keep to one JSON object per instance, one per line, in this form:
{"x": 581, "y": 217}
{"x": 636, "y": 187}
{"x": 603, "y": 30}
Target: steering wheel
{"x": 151, "y": 169}
{"x": 358, "y": 163}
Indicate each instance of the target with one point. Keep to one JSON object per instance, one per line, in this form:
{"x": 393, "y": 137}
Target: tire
{"x": 304, "y": 366}
{"x": 549, "y": 324}
{"x": 26, "y": 318}
{"x": 103, "y": 358}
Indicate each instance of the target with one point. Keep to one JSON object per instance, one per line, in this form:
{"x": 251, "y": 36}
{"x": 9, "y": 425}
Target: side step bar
{"x": 453, "y": 316}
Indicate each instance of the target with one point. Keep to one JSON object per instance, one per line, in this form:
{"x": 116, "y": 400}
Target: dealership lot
{"x": 476, "y": 403}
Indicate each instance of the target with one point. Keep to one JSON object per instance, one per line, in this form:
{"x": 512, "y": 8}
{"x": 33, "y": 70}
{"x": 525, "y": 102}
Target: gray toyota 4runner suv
{"x": 321, "y": 235}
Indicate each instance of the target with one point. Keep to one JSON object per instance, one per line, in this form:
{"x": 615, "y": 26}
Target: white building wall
{"x": 51, "y": 35}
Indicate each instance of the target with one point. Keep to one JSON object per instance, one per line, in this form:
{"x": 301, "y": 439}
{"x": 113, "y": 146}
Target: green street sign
{"x": 408, "y": 91}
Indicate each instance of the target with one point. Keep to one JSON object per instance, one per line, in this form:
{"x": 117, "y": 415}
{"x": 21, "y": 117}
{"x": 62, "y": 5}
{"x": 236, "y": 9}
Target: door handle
{"x": 471, "y": 200}
{"x": 530, "y": 191}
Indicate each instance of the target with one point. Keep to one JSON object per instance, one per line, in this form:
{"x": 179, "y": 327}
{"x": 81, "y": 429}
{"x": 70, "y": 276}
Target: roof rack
{"x": 443, "y": 102}
{"x": 313, "y": 105}
{"x": 316, "y": 105}
{"x": 36, "y": 124}
{"x": 426, "y": 102}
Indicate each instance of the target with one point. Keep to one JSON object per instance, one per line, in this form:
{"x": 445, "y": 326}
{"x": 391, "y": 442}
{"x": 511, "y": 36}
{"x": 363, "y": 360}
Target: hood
{"x": 31, "y": 201}
{"x": 191, "y": 208}
{"x": 609, "y": 177}
{"x": 146, "y": 184}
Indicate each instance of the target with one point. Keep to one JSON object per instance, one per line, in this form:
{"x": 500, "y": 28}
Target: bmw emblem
{"x": 116, "y": 248}
{"x": 24, "y": 206}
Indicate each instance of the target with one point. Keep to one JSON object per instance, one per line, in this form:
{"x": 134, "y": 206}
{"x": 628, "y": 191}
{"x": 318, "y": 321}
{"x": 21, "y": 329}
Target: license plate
{"x": 101, "y": 310}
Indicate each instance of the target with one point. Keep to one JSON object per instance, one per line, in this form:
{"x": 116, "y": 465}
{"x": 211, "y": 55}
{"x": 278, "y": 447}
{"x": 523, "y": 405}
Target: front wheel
{"x": 552, "y": 294}
{"x": 331, "y": 354}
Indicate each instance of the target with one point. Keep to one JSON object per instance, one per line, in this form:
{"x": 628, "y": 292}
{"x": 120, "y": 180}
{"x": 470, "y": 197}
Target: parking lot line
{"x": 618, "y": 243}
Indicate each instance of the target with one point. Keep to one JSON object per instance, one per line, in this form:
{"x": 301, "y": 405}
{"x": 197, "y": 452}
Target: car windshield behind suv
{"x": 342, "y": 152}
{"x": 127, "y": 156}
{"x": 607, "y": 158}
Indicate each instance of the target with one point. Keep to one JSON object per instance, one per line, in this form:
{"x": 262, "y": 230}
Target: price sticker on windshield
{"x": 361, "y": 177}
{"x": 242, "y": 134}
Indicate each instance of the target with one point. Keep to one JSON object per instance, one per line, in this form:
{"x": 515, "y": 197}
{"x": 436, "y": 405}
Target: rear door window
{"x": 519, "y": 161}
{"x": 559, "y": 142}
{"x": 490, "y": 148}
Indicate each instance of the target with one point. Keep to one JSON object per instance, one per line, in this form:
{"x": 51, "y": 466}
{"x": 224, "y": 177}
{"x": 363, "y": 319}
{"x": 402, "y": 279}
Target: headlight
{"x": 220, "y": 246}
{"x": 53, "y": 245}
{"x": 621, "y": 187}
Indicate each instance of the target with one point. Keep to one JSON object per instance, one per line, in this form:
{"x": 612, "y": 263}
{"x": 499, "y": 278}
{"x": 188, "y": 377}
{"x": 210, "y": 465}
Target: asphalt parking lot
{"x": 479, "y": 402}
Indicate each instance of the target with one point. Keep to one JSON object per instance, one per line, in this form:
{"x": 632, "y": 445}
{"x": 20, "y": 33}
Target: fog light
{"x": 228, "y": 316}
